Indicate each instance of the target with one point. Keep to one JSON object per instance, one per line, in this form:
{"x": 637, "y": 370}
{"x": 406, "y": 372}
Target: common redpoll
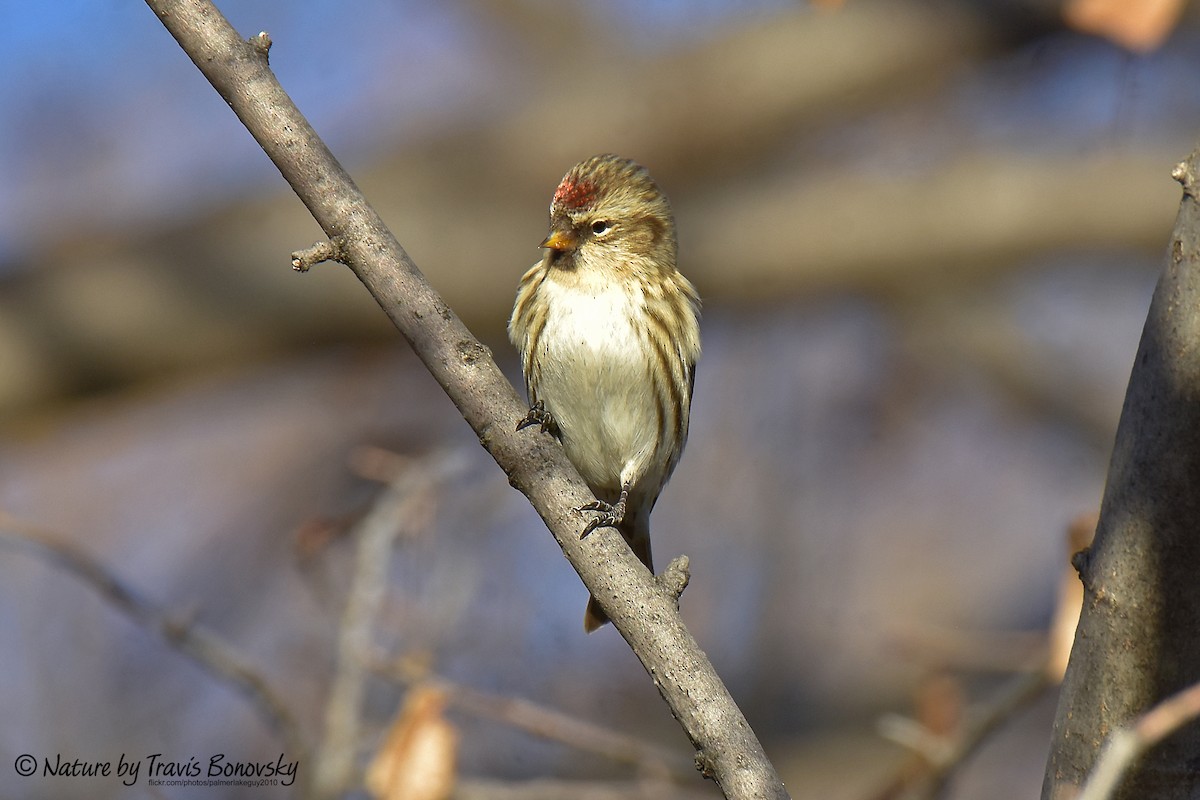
{"x": 608, "y": 331}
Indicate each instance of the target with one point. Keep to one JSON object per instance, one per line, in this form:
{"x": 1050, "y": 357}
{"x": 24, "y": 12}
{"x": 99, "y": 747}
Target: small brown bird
{"x": 608, "y": 331}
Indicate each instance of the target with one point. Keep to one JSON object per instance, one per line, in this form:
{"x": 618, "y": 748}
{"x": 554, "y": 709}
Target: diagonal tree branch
{"x": 645, "y": 613}
{"x": 214, "y": 655}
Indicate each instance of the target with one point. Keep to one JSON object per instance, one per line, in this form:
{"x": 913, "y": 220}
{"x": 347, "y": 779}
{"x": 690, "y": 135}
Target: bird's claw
{"x": 610, "y": 516}
{"x": 538, "y": 415}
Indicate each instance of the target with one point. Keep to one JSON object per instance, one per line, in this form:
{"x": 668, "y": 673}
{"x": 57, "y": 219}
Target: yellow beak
{"x": 560, "y": 240}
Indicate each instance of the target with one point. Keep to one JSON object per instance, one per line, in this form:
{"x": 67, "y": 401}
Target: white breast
{"x": 595, "y": 381}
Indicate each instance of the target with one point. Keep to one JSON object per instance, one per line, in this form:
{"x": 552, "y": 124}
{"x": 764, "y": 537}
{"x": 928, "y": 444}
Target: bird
{"x": 608, "y": 331}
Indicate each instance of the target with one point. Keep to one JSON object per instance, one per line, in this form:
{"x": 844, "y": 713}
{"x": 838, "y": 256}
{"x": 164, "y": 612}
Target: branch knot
{"x": 332, "y": 250}
{"x": 1186, "y": 175}
{"x": 262, "y": 44}
{"x": 675, "y": 577}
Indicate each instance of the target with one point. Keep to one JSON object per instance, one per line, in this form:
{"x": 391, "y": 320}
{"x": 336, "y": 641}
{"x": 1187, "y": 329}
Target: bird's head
{"x": 608, "y": 210}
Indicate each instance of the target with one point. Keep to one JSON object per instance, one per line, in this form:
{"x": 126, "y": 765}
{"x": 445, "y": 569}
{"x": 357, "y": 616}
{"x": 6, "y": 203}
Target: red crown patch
{"x": 575, "y": 194}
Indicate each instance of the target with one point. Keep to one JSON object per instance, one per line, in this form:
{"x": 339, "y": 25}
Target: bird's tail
{"x": 636, "y": 531}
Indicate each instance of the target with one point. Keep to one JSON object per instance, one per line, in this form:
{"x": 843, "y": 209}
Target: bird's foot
{"x": 538, "y": 415}
{"x": 610, "y": 515}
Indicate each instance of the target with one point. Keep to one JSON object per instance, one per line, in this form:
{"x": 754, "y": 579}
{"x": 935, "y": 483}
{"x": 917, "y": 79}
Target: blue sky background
{"x": 105, "y": 121}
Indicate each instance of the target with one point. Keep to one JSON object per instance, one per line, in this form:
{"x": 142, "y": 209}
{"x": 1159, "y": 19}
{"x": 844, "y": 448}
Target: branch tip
{"x": 261, "y": 43}
{"x": 676, "y": 576}
{"x": 1186, "y": 177}
{"x": 303, "y": 260}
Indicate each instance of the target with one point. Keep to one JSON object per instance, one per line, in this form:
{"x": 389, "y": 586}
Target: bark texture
{"x": 1137, "y": 640}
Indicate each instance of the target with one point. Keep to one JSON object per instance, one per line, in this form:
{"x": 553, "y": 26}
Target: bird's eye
{"x": 600, "y": 226}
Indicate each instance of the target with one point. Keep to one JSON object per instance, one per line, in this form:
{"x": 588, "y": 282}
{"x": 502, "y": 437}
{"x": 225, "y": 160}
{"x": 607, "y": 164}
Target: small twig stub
{"x": 318, "y": 253}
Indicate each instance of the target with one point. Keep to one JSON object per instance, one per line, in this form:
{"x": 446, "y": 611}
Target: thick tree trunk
{"x": 1138, "y": 639}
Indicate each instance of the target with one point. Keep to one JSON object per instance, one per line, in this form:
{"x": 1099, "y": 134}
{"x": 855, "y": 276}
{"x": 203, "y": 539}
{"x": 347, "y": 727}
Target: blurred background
{"x": 926, "y": 235}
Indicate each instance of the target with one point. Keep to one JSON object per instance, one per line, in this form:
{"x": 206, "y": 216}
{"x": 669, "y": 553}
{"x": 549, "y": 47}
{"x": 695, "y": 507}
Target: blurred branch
{"x": 548, "y": 723}
{"x": 402, "y": 501}
{"x": 699, "y": 110}
{"x": 941, "y": 749}
{"x": 1126, "y": 745}
{"x": 212, "y": 654}
{"x": 964, "y": 220}
{"x": 940, "y": 756}
{"x": 643, "y": 612}
{"x": 571, "y": 790}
